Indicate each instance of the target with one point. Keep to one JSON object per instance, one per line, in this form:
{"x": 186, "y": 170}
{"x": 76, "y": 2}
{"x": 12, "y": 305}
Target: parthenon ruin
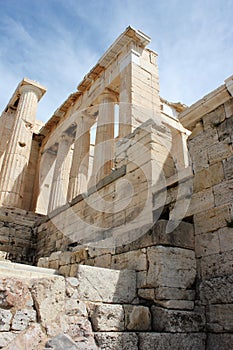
{"x": 116, "y": 217}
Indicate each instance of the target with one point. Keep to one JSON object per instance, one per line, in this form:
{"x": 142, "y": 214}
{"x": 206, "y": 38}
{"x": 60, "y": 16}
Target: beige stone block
{"x": 229, "y": 108}
{"x": 163, "y": 341}
{"x": 177, "y": 321}
{"x": 137, "y": 318}
{"x": 119, "y": 286}
{"x": 147, "y": 294}
{"x": 176, "y": 304}
{"x": 207, "y": 244}
{"x": 216, "y": 265}
{"x": 106, "y": 317}
{"x": 219, "y": 318}
{"x": 65, "y": 258}
{"x": 103, "y": 261}
{"x": 226, "y": 239}
{"x": 134, "y": 260}
{"x": 141, "y": 279}
{"x": 219, "y": 341}
{"x": 202, "y": 180}
{"x": 218, "y": 152}
{"x": 64, "y": 270}
{"x": 212, "y": 219}
{"x": 214, "y": 118}
{"x": 45, "y": 293}
{"x": 198, "y": 130}
{"x": 171, "y": 267}
{"x": 167, "y": 293}
{"x": 217, "y": 290}
{"x": 223, "y": 193}
{"x": 199, "y": 159}
{"x": 116, "y": 340}
{"x": 201, "y": 201}
{"x": 228, "y": 168}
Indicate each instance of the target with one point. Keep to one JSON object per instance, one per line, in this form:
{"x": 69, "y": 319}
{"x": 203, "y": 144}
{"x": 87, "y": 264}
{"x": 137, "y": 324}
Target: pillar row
{"x": 60, "y": 180}
{"x": 80, "y": 161}
{"x": 104, "y": 144}
{"x": 12, "y": 176}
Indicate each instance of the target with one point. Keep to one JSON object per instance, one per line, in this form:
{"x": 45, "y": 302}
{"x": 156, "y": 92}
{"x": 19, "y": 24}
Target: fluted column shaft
{"x": 12, "y": 176}
{"x": 61, "y": 174}
{"x": 104, "y": 144}
{"x": 80, "y": 162}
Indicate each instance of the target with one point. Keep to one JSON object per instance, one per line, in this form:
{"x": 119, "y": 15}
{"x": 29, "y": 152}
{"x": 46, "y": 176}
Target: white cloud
{"x": 57, "y": 42}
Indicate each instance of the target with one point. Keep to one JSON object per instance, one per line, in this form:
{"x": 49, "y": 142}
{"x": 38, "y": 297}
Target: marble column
{"x": 104, "y": 144}
{"x": 15, "y": 163}
{"x": 60, "y": 180}
{"x": 80, "y": 161}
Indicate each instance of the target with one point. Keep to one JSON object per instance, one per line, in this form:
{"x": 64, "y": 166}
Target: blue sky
{"x": 56, "y": 42}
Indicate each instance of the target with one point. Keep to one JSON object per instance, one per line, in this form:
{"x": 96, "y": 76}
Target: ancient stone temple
{"x": 116, "y": 217}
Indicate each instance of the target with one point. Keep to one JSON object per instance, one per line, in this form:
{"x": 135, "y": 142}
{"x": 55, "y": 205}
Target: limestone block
{"x": 141, "y": 279}
{"x": 198, "y": 130}
{"x": 14, "y": 294}
{"x": 106, "y": 317}
{"x": 43, "y": 262}
{"x": 148, "y": 294}
{"x": 201, "y": 201}
{"x": 176, "y": 304}
{"x": 226, "y": 238}
{"x": 167, "y": 293}
{"x": 6, "y": 338}
{"x": 117, "y": 341}
{"x": 22, "y": 318}
{"x": 78, "y": 328}
{"x": 208, "y": 177}
{"x": 64, "y": 270}
{"x": 32, "y": 338}
{"x": 214, "y": 118}
{"x": 171, "y": 267}
{"x": 200, "y": 160}
{"x": 49, "y": 299}
{"x": 103, "y": 261}
{"x": 134, "y": 260}
{"x": 218, "y": 152}
{"x": 228, "y": 168}
{"x": 217, "y": 290}
{"x": 229, "y": 108}
{"x": 212, "y": 219}
{"x": 219, "y": 341}
{"x": 79, "y": 255}
{"x": 60, "y": 342}
{"x": 65, "y": 258}
{"x": 207, "y": 243}
{"x": 219, "y": 318}
{"x": 216, "y": 265}
{"x": 137, "y": 318}
{"x": 168, "y": 341}
{"x": 119, "y": 286}
{"x": 174, "y": 321}
{"x": 182, "y": 236}
{"x": 223, "y": 193}
{"x": 5, "y": 320}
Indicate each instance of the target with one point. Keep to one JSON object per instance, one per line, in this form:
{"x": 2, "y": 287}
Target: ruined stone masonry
{"x": 116, "y": 216}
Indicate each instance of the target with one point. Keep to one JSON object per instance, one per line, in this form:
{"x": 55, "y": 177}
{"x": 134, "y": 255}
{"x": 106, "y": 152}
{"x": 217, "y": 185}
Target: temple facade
{"x": 126, "y": 199}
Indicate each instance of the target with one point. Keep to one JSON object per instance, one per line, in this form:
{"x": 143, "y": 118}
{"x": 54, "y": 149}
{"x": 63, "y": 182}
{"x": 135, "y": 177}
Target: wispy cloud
{"x": 56, "y": 42}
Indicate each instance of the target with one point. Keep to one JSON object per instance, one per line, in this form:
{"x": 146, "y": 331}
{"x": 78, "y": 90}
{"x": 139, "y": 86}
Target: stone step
{"x": 99, "y": 284}
{"x": 9, "y": 269}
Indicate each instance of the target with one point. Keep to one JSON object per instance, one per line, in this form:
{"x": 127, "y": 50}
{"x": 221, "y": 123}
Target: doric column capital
{"x": 108, "y": 96}
{"x": 31, "y": 88}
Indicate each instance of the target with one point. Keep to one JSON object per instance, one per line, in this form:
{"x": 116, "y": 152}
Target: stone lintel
{"x": 129, "y": 35}
{"x": 195, "y": 112}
